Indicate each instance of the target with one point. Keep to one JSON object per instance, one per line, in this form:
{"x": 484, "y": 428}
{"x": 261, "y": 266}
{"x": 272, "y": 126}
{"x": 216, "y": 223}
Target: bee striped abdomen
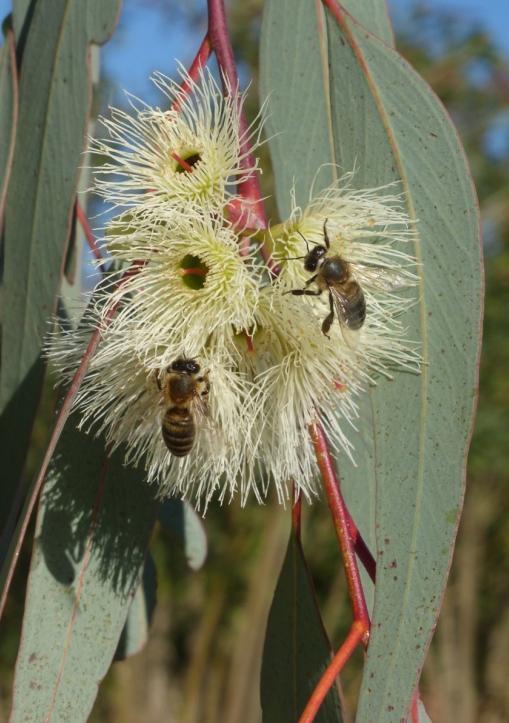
{"x": 355, "y": 306}
{"x": 178, "y": 430}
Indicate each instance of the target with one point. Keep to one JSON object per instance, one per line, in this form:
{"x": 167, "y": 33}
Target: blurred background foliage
{"x": 202, "y": 661}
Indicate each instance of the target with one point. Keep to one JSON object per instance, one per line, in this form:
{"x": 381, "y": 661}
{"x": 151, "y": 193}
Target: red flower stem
{"x": 198, "y": 63}
{"x": 83, "y": 221}
{"x": 414, "y": 710}
{"x": 249, "y": 189}
{"x": 362, "y": 550}
{"x": 325, "y": 683}
{"x": 341, "y": 518}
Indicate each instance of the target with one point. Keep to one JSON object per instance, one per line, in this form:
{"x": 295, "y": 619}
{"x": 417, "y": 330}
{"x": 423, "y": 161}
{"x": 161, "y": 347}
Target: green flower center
{"x": 186, "y": 161}
{"x": 193, "y": 271}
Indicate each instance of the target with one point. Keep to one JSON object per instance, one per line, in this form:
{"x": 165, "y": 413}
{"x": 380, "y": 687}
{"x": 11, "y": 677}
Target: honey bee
{"x": 185, "y": 391}
{"x": 333, "y": 274}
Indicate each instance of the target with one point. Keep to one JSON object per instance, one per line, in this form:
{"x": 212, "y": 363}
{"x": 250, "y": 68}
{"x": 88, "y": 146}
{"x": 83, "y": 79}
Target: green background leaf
{"x": 93, "y": 528}
{"x": 386, "y": 122}
{"x": 296, "y": 651}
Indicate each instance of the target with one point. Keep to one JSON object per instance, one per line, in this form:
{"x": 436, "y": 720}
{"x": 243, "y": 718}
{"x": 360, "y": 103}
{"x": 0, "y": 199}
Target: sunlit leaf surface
{"x": 93, "y": 527}
{"x": 369, "y": 110}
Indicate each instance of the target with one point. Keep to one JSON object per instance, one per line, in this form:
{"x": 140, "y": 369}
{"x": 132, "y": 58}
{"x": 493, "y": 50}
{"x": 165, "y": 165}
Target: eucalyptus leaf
{"x": 387, "y": 124}
{"x": 54, "y": 102}
{"x": 183, "y": 523}
{"x": 93, "y": 526}
{"x": 8, "y": 113}
{"x": 136, "y": 627}
{"x": 372, "y": 15}
{"x": 296, "y": 651}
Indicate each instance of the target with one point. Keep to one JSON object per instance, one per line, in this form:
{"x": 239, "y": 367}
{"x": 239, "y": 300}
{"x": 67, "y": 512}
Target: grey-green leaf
{"x": 292, "y": 34}
{"x": 93, "y": 527}
{"x": 183, "y": 523}
{"x": 8, "y": 114}
{"x": 372, "y": 15}
{"x": 387, "y": 123}
{"x": 296, "y": 651}
{"x": 54, "y": 101}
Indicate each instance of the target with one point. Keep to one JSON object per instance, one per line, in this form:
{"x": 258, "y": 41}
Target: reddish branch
{"x": 341, "y": 518}
{"x": 198, "y": 63}
{"x": 348, "y": 536}
{"x": 83, "y": 221}
{"x": 251, "y": 212}
{"x": 325, "y": 683}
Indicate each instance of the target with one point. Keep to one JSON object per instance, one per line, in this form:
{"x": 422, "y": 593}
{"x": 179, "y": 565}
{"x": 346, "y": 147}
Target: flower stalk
{"x": 341, "y": 518}
{"x": 253, "y": 212}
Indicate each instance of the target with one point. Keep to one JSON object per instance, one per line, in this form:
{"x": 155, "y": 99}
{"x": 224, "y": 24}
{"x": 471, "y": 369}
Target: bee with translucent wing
{"x": 333, "y": 274}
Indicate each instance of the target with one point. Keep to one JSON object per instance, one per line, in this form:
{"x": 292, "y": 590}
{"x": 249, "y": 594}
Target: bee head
{"x": 186, "y": 366}
{"x": 314, "y": 257}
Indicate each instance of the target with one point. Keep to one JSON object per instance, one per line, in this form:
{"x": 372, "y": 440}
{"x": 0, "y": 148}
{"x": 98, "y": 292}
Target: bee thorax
{"x": 334, "y": 270}
{"x": 181, "y": 387}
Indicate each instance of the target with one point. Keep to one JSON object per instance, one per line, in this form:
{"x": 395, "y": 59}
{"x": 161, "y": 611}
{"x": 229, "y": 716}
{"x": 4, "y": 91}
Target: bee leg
{"x": 305, "y": 291}
{"x": 327, "y": 322}
{"x": 326, "y": 235}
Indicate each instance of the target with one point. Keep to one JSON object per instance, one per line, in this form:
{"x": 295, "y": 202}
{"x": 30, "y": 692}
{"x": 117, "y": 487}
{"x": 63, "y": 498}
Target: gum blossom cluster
{"x": 203, "y": 293}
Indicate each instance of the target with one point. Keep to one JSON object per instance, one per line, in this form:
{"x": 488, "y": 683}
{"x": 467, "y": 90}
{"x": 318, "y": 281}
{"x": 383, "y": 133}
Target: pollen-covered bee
{"x": 185, "y": 391}
{"x": 333, "y": 274}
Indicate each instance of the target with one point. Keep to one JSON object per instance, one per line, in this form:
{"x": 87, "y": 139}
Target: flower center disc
{"x": 186, "y": 162}
{"x": 193, "y": 272}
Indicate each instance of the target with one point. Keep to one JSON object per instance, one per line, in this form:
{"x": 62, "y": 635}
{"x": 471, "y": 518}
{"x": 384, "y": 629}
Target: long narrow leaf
{"x": 386, "y": 123}
{"x": 8, "y": 114}
{"x": 296, "y": 650}
{"x": 93, "y": 528}
{"x": 54, "y": 102}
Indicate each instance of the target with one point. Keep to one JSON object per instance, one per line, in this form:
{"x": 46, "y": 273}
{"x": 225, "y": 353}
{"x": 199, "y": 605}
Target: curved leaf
{"x": 93, "y": 527}
{"x": 8, "y": 113}
{"x": 372, "y": 15}
{"x": 184, "y": 524}
{"x": 385, "y": 121}
{"x": 296, "y": 651}
{"x": 54, "y": 100}
{"x": 136, "y": 627}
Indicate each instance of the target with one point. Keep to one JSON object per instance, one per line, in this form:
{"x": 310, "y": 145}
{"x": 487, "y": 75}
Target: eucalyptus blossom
{"x": 159, "y": 161}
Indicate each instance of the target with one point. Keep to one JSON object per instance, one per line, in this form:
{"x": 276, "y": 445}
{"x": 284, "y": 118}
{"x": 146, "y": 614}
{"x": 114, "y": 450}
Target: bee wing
{"x": 340, "y": 302}
{"x": 384, "y": 279}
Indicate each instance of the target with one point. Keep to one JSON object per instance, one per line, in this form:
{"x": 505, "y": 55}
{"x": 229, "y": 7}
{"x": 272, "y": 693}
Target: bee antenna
{"x": 305, "y": 240}
{"x": 325, "y": 234}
